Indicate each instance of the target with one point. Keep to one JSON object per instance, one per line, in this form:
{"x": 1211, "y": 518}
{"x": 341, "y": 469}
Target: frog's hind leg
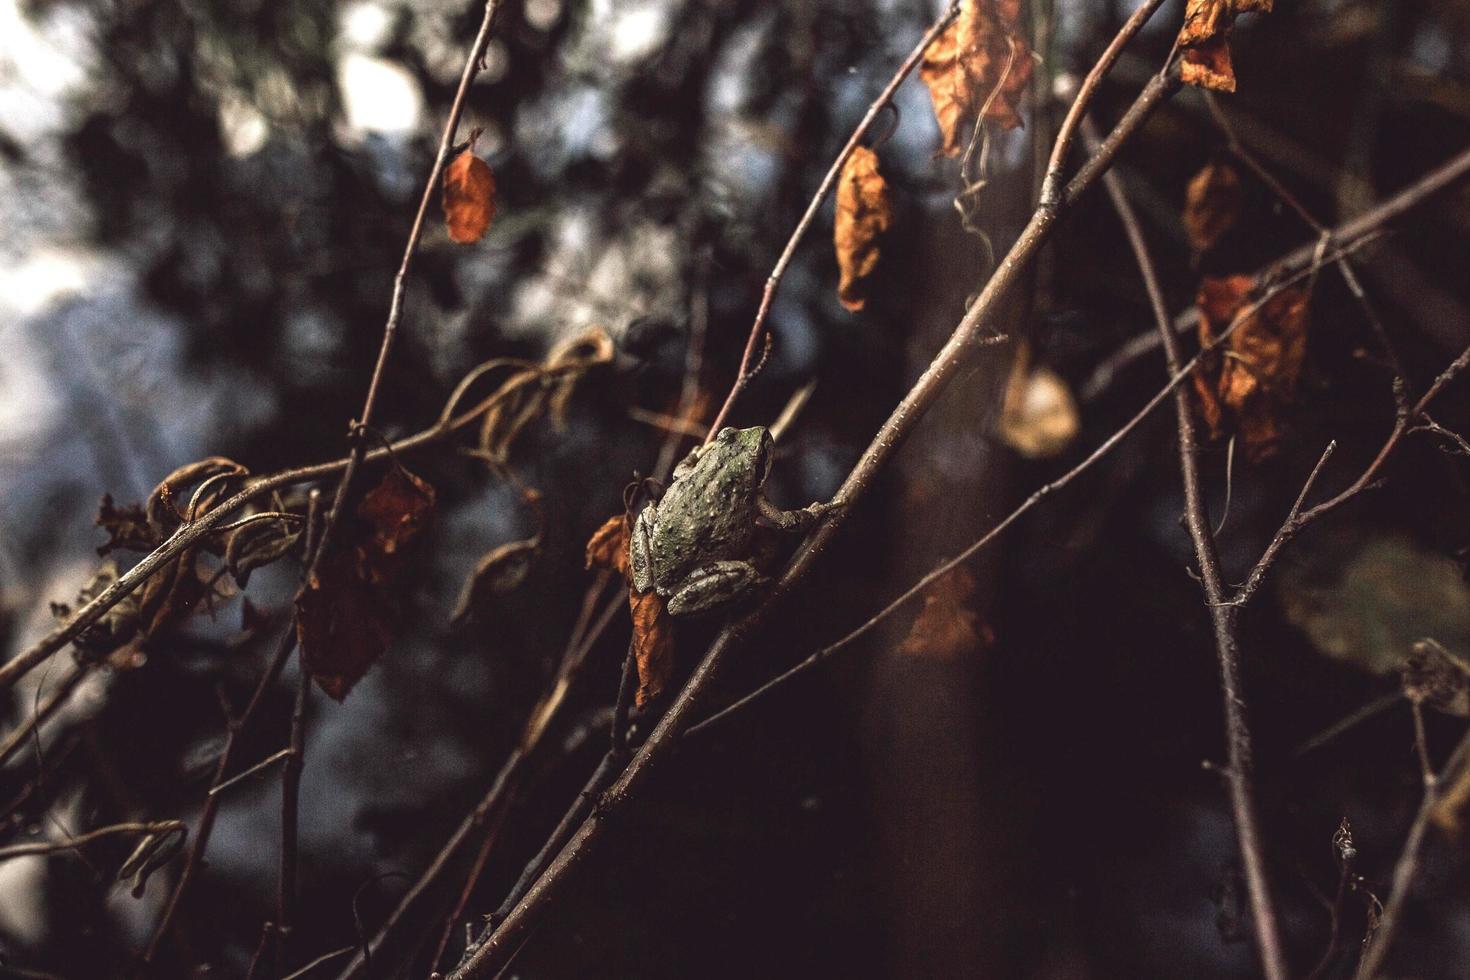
{"x": 713, "y": 585}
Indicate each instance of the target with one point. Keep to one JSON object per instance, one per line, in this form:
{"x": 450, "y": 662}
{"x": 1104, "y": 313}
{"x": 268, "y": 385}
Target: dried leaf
{"x": 1040, "y": 417}
{"x": 1205, "y": 39}
{"x": 469, "y": 197}
{"x": 1248, "y": 386}
{"x": 863, "y": 215}
{"x": 343, "y": 623}
{"x": 347, "y": 613}
{"x": 946, "y": 626}
{"x": 503, "y": 569}
{"x": 167, "y": 510}
{"x": 608, "y": 546}
{"x": 542, "y": 389}
{"x": 127, "y": 527}
{"x": 394, "y": 512}
{"x": 1212, "y": 203}
{"x": 966, "y": 68}
{"x": 653, "y": 644}
{"x": 1451, "y": 808}
{"x": 256, "y": 545}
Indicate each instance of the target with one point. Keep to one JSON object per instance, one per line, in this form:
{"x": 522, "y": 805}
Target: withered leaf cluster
{"x": 348, "y": 610}
{"x": 863, "y": 215}
{"x": 183, "y": 585}
{"x": 653, "y": 630}
{"x": 469, "y": 197}
{"x": 1205, "y": 41}
{"x": 979, "y": 66}
{"x": 1248, "y": 385}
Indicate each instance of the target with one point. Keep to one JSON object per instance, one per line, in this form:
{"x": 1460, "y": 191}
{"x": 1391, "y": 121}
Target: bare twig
{"x": 757, "y": 328}
{"x": 54, "y": 699}
{"x": 1407, "y": 867}
{"x": 71, "y": 843}
{"x": 1238, "y": 774}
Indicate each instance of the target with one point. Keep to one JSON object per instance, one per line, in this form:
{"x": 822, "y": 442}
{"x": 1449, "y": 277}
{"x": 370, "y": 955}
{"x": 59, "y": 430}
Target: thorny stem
{"x": 494, "y": 948}
{"x": 1238, "y": 774}
{"x": 757, "y": 328}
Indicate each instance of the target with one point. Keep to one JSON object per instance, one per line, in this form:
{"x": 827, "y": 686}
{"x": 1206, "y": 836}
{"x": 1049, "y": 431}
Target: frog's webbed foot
{"x": 801, "y": 519}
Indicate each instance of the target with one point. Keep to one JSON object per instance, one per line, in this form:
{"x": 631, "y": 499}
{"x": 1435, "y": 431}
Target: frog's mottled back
{"x": 708, "y": 511}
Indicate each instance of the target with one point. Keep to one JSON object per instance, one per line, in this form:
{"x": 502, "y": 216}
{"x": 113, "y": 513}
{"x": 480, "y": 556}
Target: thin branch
{"x": 72, "y": 843}
{"x": 69, "y": 682}
{"x": 757, "y": 328}
{"x": 1051, "y": 186}
{"x": 204, "y": 826}
{"x": 1407, "y": 867}
{"x": 1238, "y": 775}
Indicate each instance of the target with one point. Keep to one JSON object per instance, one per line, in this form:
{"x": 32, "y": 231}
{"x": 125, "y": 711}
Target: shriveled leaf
{"x": 343, "y": 623}
{"x": 979, "y": 64}
{"x": 1212, "y": 203}
{"x": 1249, "y": 386}
{"x": 653, "y": 644}
{"x": 946, "y": 626}
{"x": 1040, "y": 417}
{"x": 469, "y": 197}
{"x": 167, "y": 506}
{"x": 863, "y": 215}
{"x": 347, "y": 613}
{"x": 153, "y": 852}
{"x": 501, "y": 570}
{"x": 127, "y": 527}
{"x": 608, "y": 546}
{"x": 256, "y": 545}
{"x": 1205, "y": 40}
{"x": 394, "y": 512}
{"x": 542, "y": 389}
{"x": 117, "y": 627}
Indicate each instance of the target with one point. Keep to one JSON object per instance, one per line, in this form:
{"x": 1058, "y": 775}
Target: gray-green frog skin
{"x": 693, "y": 546}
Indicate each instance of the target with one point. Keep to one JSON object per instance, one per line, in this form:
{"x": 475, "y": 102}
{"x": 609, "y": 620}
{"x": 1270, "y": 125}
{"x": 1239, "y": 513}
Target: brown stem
{"x": 1238, "y": 773}
{"x": 205, "y": 824}
{"x": 56, "y": 846}
{"x": 753, "y": 342}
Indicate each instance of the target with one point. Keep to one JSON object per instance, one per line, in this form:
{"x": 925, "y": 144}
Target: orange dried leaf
{"x": 608, "y": 546}
{"x": 1249, "y": 385}
{"x": 978, "y": 64}
{"x": 946, "y": 626}
{"x": 1205, "y": 38}
{"x": 653, "y": 644}
{"x": 863, "y": 215}
{"x": 469, "y": 197}
{"x": 1212, "y": 203}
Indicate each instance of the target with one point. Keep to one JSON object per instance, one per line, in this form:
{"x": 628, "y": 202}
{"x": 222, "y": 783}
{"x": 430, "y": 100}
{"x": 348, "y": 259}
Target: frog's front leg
{"x": 640, "y": 550}
{"x": 794, "y": 520}
{"x": 713, "y": 585}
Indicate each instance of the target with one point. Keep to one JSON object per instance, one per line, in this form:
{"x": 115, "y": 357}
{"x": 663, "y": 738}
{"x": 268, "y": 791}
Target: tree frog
{"x": 694, "y": 545}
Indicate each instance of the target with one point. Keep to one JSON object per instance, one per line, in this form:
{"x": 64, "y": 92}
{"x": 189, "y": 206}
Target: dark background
{"x": 204, "y": 203}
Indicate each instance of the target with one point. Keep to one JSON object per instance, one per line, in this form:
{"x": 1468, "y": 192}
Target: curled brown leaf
{"x": 653, "y": 644}
{"x": 978, "y": 65}
{"x": 946, "y": 627}
{"x": 863, "y": 215}
{"x": 1205, "y": 40}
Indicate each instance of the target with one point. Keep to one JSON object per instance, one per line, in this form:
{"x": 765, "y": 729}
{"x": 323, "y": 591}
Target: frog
{"x": 694, "y": 545}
